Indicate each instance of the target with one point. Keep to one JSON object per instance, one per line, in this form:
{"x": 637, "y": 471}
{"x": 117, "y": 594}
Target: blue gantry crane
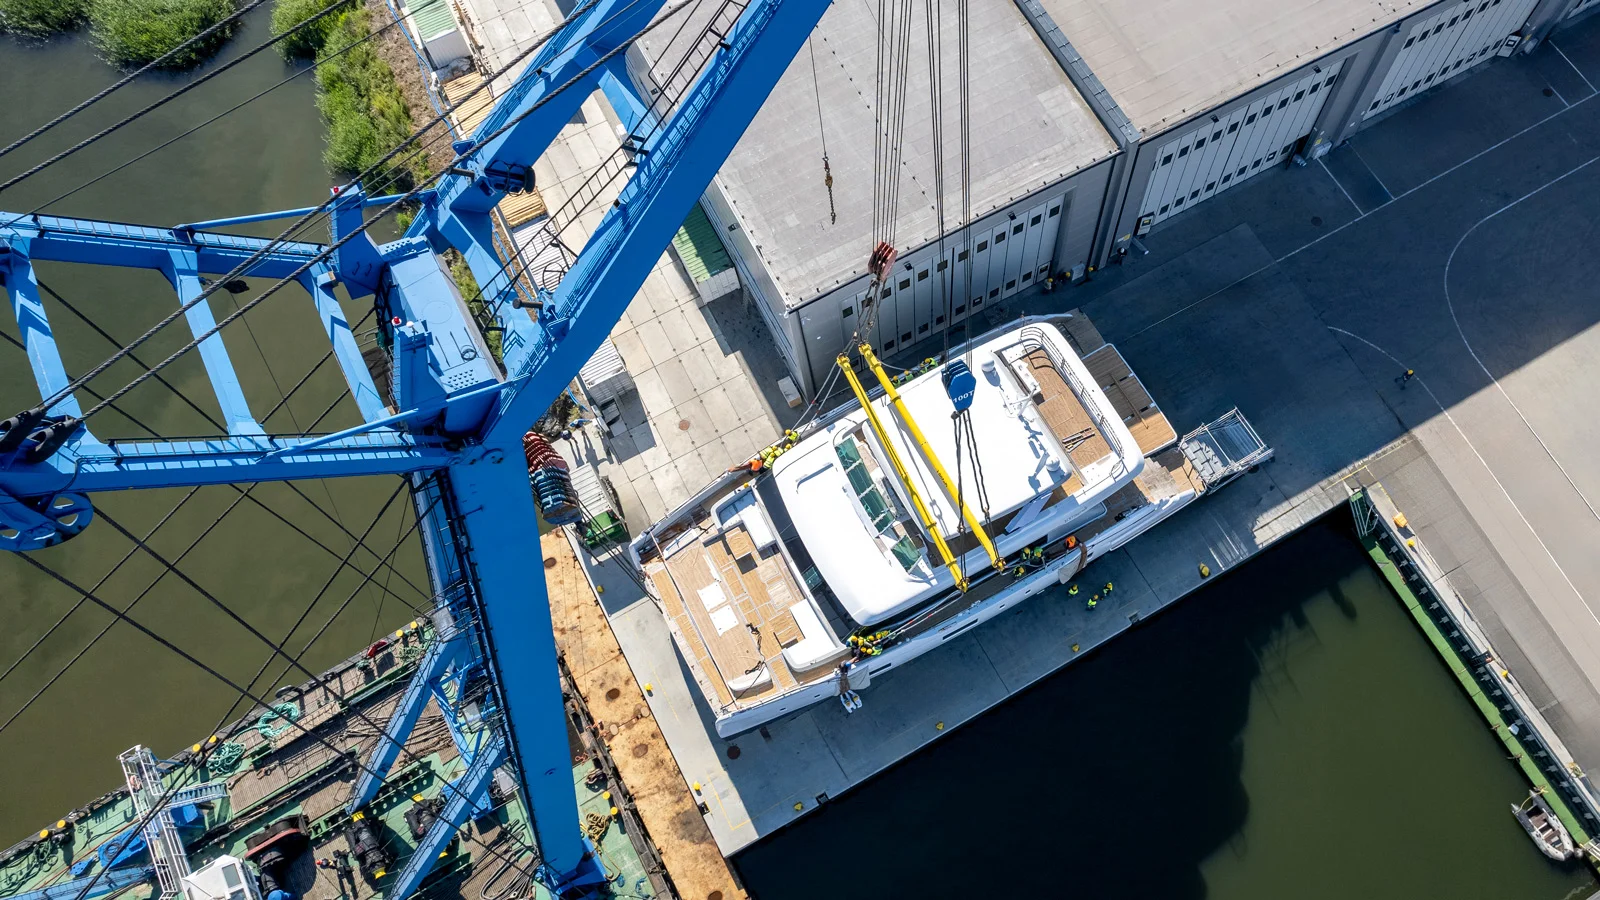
{"x": 456, "y": 415}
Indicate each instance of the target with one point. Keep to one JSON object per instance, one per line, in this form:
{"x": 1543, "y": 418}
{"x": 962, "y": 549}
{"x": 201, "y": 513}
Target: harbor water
{"x": 1285, "y": 732}
{"x": 127, "y": 689}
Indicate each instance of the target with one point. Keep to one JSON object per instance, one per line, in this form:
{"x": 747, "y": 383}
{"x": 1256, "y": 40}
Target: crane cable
{"x": 822, "y": 132}
{"x": 265, "y": 250}
{"x": 127, "y": 79}
{"x": 332, "y": 248}
{"x": 282, "y": 403}
{"x": 230, "y": 110}
{"x": 244, "y": 494}
{"x": 160, "y": 803}
{"x": 133, "y": 117}
{"x": 17, "y": 713}
{"x": 276, "y": 647}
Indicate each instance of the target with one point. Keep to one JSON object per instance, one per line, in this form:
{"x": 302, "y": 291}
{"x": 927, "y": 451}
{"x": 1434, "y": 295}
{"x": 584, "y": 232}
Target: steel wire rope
{"x": 243, "y": 495}
{"x": 170, "y": 567}
{"x": 282, "y": 402}
{"x": 160, "y": 803}
{"x": 295, "y": 420}
{"x": 114, "y": 569}
{"x": 306, "y": 613}
{"x": 263, "y": 251}
{"x": 230, "y": 110}
{"x": 336, "y": 245}
{"x": 276, "y": 647}
{"x": 523, "y": 261}
{"x": 127, "y": 79}
{"x": 134, "y": 117}
{"x": 822, "y": 133}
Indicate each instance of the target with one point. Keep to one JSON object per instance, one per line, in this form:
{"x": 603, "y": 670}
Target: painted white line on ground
{"x": 1336, "y": 183}
{"x": 1320, "y": 238}
{"x": 1450, "y": 303}
{"x": 1370, "y": 170}
{"x": 1473, "y": 158}
{"x": 1574, "y": 68}
{"x": 1486, "y": 467}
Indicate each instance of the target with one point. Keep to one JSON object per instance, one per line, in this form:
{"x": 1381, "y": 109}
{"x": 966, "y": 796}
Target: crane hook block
{"x": 959, "y": 384}
{"x": 881, "y": 260}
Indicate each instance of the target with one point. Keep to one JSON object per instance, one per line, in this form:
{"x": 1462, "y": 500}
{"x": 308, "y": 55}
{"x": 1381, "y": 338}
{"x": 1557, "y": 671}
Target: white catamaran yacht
{"x": 878, "y": 532}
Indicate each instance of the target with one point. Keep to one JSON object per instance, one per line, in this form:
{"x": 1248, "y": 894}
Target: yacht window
{"x": 894, "y": 533}
{"x": 872, "y": 500}
{"x": 906, "y": 553}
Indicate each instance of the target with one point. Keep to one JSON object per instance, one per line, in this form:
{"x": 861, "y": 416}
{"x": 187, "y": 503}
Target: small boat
{"x": 1543, "y": 826}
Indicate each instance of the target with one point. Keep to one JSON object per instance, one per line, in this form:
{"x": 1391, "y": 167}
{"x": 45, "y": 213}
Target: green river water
{"x": 129, "y": 690}
{"x": 1285, "y": 733}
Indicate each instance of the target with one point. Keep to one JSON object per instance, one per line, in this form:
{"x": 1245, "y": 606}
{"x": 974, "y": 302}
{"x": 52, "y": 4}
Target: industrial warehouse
{"x": 1091, "y": 125}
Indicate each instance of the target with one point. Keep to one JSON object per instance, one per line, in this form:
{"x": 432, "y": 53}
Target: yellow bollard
{"x": 1205, "y": 571}
{"x": 799, "y": 806}
{"x": 939, "y": 726}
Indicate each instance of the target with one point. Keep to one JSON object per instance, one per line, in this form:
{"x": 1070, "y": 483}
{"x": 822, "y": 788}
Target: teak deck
{"x": 1145, "y": 421}
{"x": 756, "y": 587}
{"x": 1067, "y": 417}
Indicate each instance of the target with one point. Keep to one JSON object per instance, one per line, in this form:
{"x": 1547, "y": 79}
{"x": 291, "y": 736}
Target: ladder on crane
{"x": 167, "y": 854}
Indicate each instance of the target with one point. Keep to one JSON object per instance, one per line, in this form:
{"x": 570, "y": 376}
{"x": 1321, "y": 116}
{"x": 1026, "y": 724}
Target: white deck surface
{"x": 1015, "y": 450}
{"x": 1165, "y": 60}
{"x": 1029, "y": 128}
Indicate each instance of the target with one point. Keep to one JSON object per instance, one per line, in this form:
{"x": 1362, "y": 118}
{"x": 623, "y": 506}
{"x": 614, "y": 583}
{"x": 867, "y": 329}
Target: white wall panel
{"x": 1439, "y": 46}
{"x": 1211, "y": 157}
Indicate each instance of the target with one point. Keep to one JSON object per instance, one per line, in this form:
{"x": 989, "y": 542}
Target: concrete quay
{"x": 1455, "y": 242}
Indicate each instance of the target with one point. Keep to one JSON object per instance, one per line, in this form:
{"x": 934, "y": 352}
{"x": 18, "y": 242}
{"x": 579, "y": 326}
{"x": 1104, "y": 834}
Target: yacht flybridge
{"x": 879, "y": 530}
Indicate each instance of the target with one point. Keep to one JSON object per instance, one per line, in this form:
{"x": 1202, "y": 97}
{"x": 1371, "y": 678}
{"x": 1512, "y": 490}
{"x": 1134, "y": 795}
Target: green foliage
{"x": 365, "y": 112}
{"x": 307, "y": 42}
{"x": 134, "y": 32}
{"x": 39, "y": 18}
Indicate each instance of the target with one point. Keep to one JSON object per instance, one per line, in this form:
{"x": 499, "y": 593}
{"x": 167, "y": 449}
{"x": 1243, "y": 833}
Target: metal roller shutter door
{"x": 1446, "y": 43}
{"x": 1214, "y": 156}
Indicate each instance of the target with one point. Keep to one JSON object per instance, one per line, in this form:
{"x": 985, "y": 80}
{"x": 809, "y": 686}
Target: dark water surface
{"x": 1286, "y": 732}
{"x": 129, "y": 690}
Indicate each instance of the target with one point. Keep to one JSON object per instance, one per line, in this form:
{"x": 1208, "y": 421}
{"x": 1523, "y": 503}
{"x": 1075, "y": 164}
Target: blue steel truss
{"x": 457, "y": 415}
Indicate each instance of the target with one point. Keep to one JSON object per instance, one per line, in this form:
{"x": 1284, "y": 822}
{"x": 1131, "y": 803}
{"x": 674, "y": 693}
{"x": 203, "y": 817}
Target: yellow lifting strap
{"x": 928, "y": 454}
{"x": 928, "y": 522}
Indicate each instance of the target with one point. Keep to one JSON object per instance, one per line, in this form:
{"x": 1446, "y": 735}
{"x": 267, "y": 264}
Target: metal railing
{"x": 668, "y": 94}
{"x": 1472, "y": 649}
{"x": 1034, "y": 338}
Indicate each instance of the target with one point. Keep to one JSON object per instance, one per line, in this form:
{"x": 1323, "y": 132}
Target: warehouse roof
{"x": 1166, "y": 60}
{"x": 1030, "y": 128}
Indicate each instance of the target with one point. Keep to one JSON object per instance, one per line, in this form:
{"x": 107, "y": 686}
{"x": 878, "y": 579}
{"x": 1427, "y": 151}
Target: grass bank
{"x": 41, "y": 18}
{"x": 128, "y": 32}
{"x": 364, "y": 110}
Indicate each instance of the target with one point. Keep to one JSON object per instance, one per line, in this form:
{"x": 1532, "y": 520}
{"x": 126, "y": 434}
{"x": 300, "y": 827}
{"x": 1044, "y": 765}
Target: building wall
{"x": 1312, "y": 109}
{"x": 1011, "y": 249}
{"x": 756, "y": 280}
{"x": 1374, "y": 73}
{"x": 1254, "y": 130}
